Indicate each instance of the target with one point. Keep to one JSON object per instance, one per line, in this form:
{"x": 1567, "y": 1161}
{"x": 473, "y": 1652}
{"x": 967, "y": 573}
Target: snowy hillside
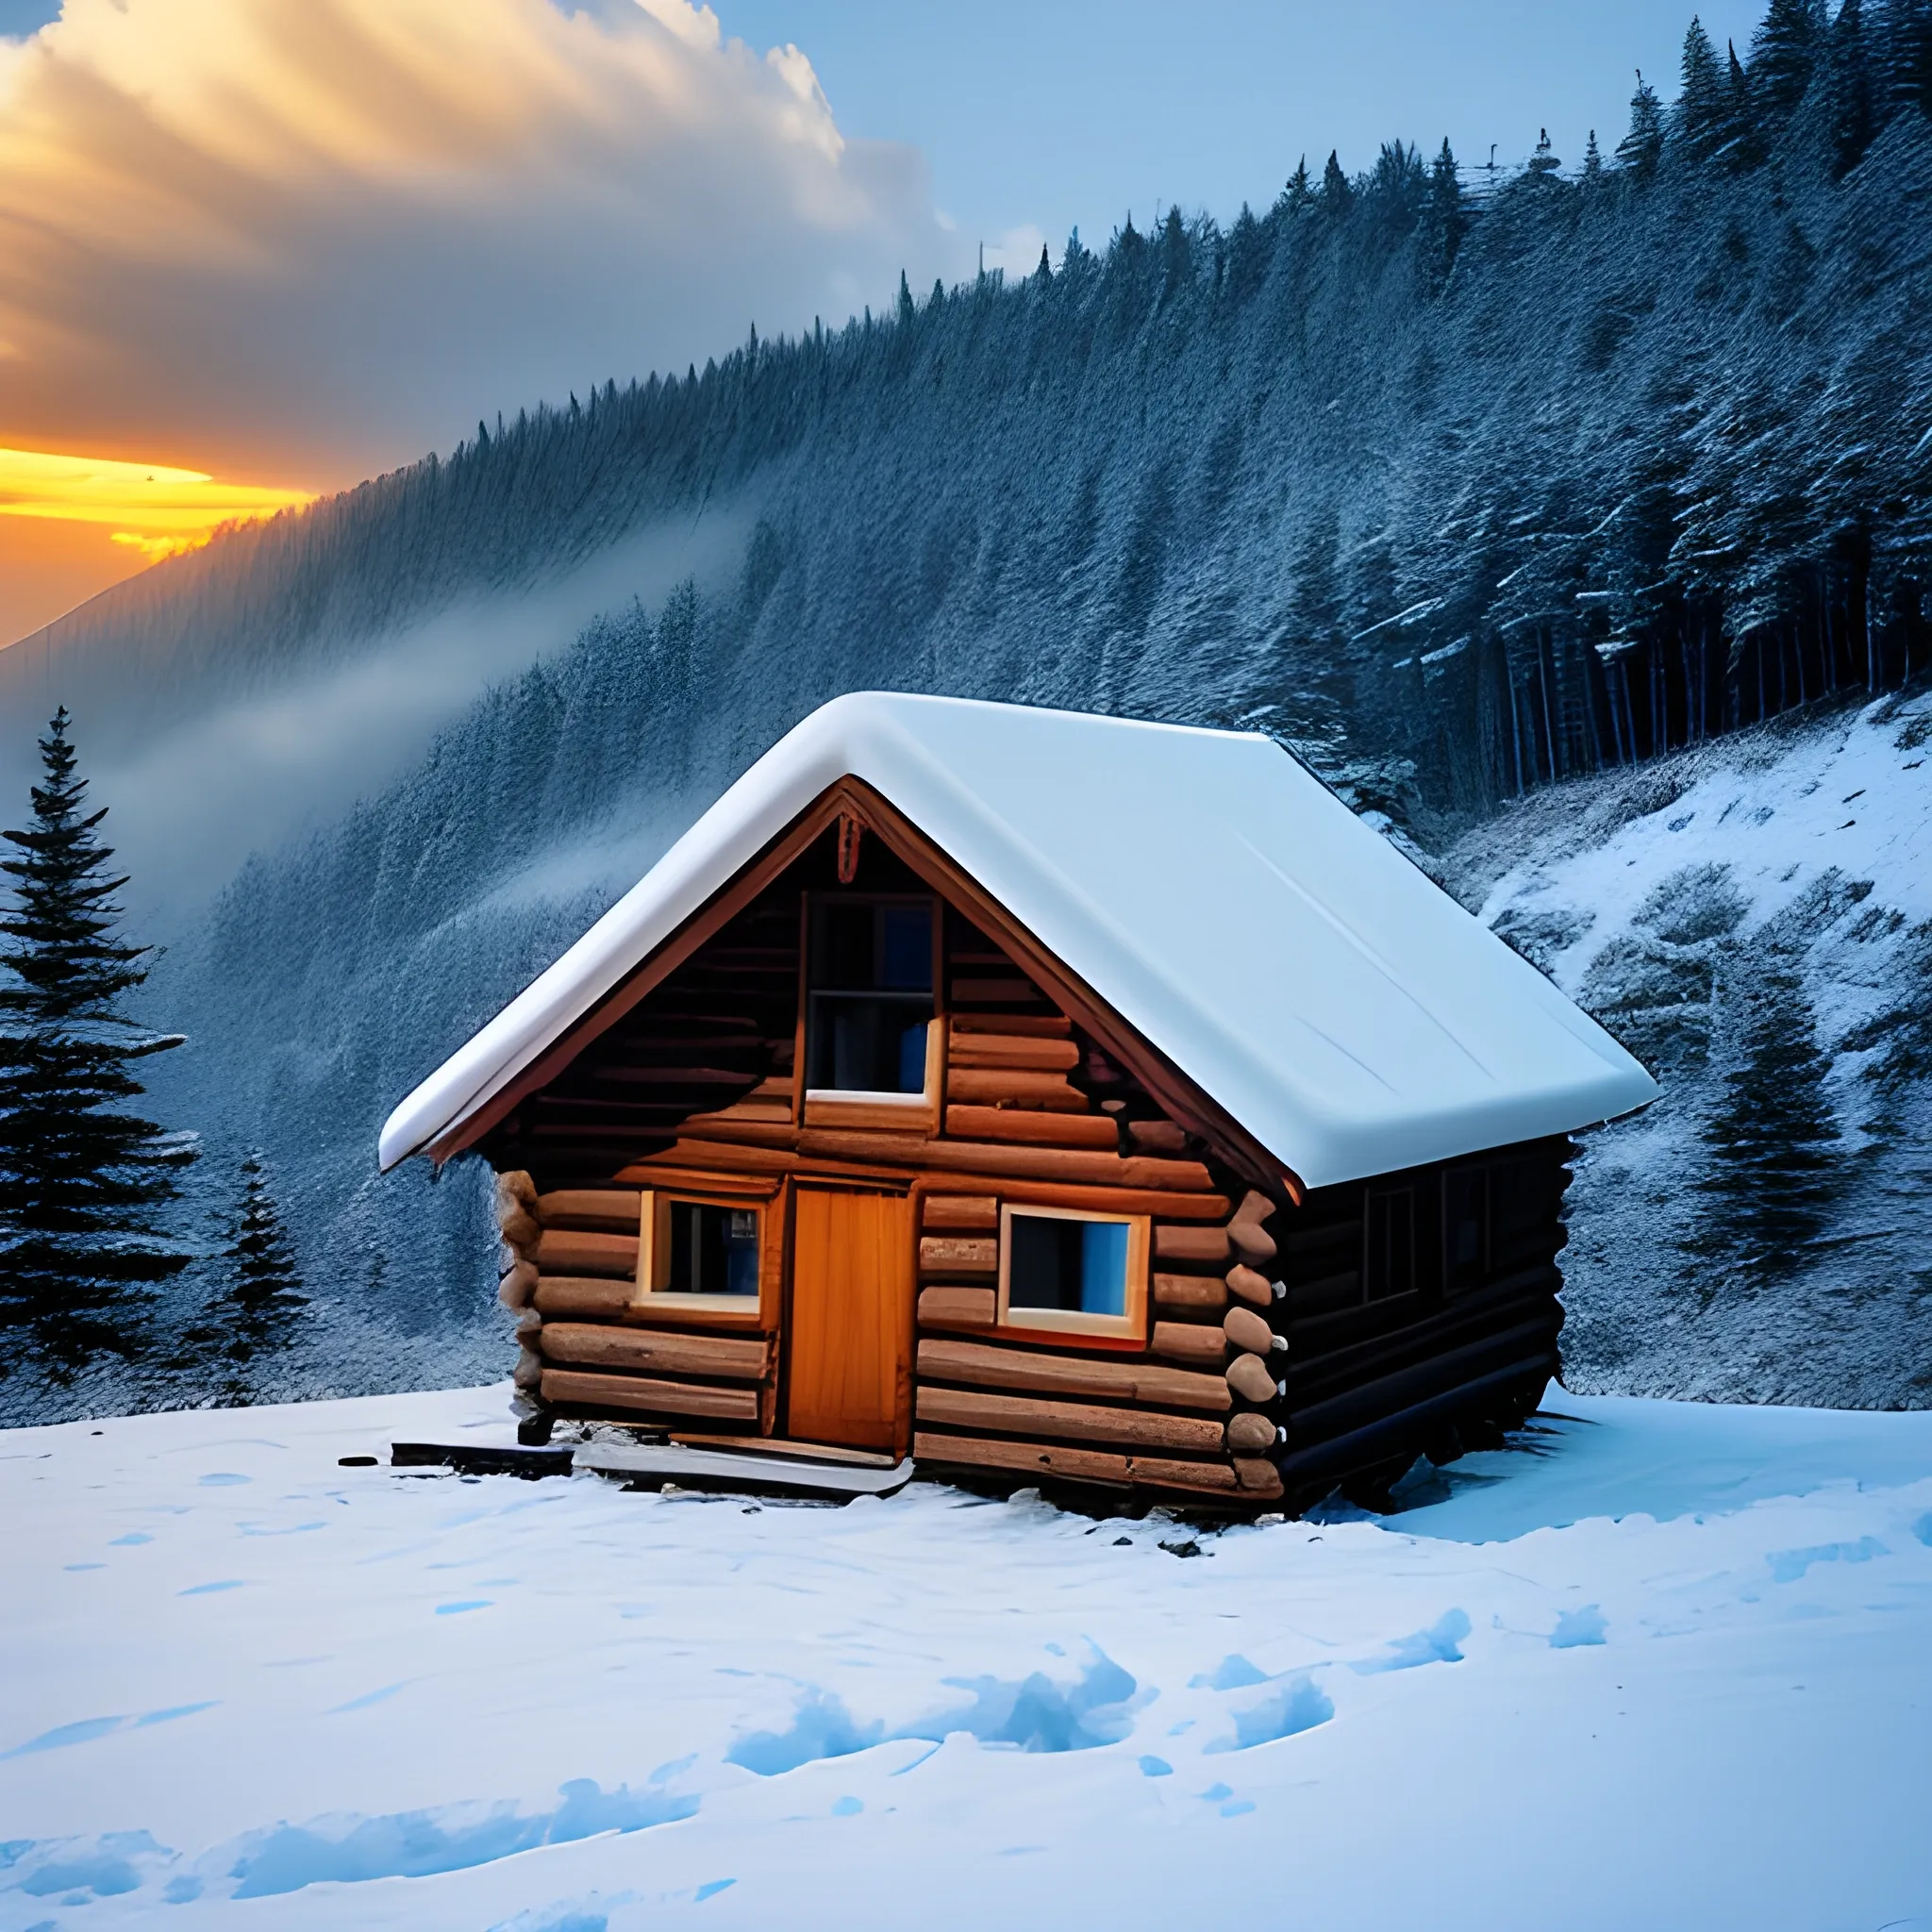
{"x": 1654, "y": 1665}
{"x": 1472, "y": 497}
{"x": 1754, "y": 918}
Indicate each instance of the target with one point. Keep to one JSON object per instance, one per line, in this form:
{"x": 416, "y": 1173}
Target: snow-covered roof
{"x": 1301, "y": 971}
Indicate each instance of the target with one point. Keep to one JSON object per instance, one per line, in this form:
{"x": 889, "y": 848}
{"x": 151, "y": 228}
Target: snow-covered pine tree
{"x": 1777, "y": 1163}
{"x": 1445, "y": 219}
{"x": 81, "y": 1178}
{"x": 1785, "y": 49}
{"x": 1544, "y": 162}
{"x": 1299, "y": 194}
{"x": 1703, "y": 119}
{"x": 1850, "y": 91}
{"x": 1639, "y": 148}
{"x": 257, "y": 1312}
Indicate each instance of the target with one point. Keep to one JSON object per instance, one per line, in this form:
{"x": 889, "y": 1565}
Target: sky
{"x": 251, "y": 252}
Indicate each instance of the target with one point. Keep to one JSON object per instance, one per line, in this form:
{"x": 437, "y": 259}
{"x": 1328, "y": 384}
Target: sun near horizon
{"x": 71, "y": 525}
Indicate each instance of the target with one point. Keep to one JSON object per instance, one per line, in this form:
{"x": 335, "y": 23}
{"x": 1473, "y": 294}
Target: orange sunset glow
{"x": 71, "y": 525}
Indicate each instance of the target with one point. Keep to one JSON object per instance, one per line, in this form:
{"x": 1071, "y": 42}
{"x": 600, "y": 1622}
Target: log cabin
{"x": 1044, "y": 1097}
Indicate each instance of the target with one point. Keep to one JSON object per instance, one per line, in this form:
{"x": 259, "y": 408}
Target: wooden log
{"x": 529, "y": 1325}
{"x": 1110, "y": 1377}
{"x": 1009, "y": 1086}
{"x": 1157, "y": 1137}
{"x": 1249, "y": 1434}
{"x": 515, "y": 1189}
{"x": 1248, "y": 1332}
{"x": 1073, "y": 1465}
{"x": 693, "y": 1158}
{"x": 1255, "y": 1207}
{"x": 1204, "y": 1244}
{"x": 1032, "y": 1125}
{"x": 516, "y": 1287}
{"x": 1012, "y": 1050}
{"x": 520, "y": 1228}
{"x": 565, "y": 1251}
{"x": 598, "y": 1297}
{"x": 957, "y": 1307}
{"x": 751, "y": 1186}
{"x": 609, "y": 1210}
{"x": 1257, "y": 1477}
{"x": 1255, "y": 1245}
{"x": 958, "y": 1253}
{"x": 587, "y": 1388}
{"x": 1190, "y": 1291}
{"x": 528, "y": 1372}
{"x": 734, "y": 1358}
{"x": 985, "y": 991}
{"x": 1195, "y": 1343}
{"x": 1079, "y": 1421}
{"x": 1077, "y": 1164}
{"x": 1039, "y": 1025}
{"x": 778, "y": 1130}
{"x": 1257, "y": 1290}
{"x": 963, "y": 1213}
{"x": 1248, "y": 1376}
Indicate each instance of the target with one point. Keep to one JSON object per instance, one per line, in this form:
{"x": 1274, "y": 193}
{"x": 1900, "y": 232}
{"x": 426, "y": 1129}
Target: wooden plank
{"x": 693, "y": 1158}
{"x": 614, "y": 1298}
{"x": 1034, "y": 1127}
{"x": 1193, "y": 1342}
{"x": 956, "y": 1254}
{"x": 1157, "y": 1137}
{"x": 1208, "y": 1245}
{"x": 915, "y": 1114}
{"x": 965, "y": 1212}
{"x": 957, "y": 1307}
{"x": 597, "y": 1345}
{"x": 1110, "y": 1377}
{"x": 1037, "y": 1025}
{"x": 565, "y": 1251}
{"x": 1206, "y": 1291}
{"x": 1014, "y": 1086}
{"x": 1079, "y": 1421}
{"x": 781, "y": 1445}
{"x": 1014, "y": 1050}
{"x": 585, "y": 1388}
{"x": 1074, "y": 1465}
{"x": 1023, "y": 1163}
{"x": 696, "y": 1180}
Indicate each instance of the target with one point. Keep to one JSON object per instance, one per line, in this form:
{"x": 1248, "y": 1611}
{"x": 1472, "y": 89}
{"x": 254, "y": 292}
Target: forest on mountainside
{"x": 1464, "y": 481}
{"x": 1459, "y": 483}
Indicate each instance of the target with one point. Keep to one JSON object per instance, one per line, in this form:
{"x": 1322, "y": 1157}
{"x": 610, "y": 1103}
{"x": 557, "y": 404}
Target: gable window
{"x": 869, "y": 998}
{"x": 694, "y": 1250}
{"x": 1389, "y": 1232}
{"x": 1083, "y": 1273}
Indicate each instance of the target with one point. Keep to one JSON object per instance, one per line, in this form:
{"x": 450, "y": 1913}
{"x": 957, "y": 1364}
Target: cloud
{"x": 296, "y": 242}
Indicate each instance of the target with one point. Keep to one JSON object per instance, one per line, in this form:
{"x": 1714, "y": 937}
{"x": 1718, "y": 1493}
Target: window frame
{"x": 1405, "y": 1189}
{"x": 1130, "y": 1325}
{"x": 852, "y": 1107}
{"x": 654, "y": 1258}
{"x": 1483, "y": 1174}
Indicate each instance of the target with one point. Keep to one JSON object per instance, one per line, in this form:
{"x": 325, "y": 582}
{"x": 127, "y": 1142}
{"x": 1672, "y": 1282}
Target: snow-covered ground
{"x": 1659, "y": 1665}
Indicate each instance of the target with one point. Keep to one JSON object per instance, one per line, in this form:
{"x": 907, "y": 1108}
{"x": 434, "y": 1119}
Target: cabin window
{"x": 1523, "y": 1212}
{"x": 1465, "y": 1228}
{"x": 695, "y": 1249}
{"x": 1389, "y": 1232}
{"x": 1083, "y": 1273}
{"x": 869, "y": 998}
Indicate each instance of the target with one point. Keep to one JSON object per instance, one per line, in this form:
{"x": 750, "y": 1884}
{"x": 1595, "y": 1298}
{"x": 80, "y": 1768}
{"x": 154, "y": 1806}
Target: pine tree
{"x": 1444, "y": 220}
{"x": 1903, "y": 46}
{"x": 1338, "y": 197}
{"x": 1784, "y": 51}
{"x": 1177, "y": 254}
{"x": 1543, "y": 163}
{"x": 258, "y": 1310}
{"x": 1741, "y": 147}
{"x": 907, "y": 311}
{"x": 79, "y": 1178}
{"x": 1298, "y": 195}
{"x": 1848, "y": 77}
{"x": 1703, "y": 118}
{"x": 1776, "y": 1166}
{"x": 1639, "y": 148}
{"x": 1592, "y": 160}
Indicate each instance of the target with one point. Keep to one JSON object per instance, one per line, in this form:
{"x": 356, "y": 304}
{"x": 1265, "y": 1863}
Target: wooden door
{"x": 849, "y": 1332}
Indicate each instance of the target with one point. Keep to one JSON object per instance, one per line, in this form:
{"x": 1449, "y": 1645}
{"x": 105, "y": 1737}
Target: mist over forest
{"x": 1521, "y": 505}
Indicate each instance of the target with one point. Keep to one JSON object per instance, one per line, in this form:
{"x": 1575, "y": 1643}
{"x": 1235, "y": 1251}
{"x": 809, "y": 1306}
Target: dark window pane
{"x": 905, "y": 947}
{"x": 1074, "y": 1267}
{"x": 1390, "y": 1260}
{"x": 869, "y": 997}
{"x": 860, "y": 1045}
{"x": 713, "y": 1250}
